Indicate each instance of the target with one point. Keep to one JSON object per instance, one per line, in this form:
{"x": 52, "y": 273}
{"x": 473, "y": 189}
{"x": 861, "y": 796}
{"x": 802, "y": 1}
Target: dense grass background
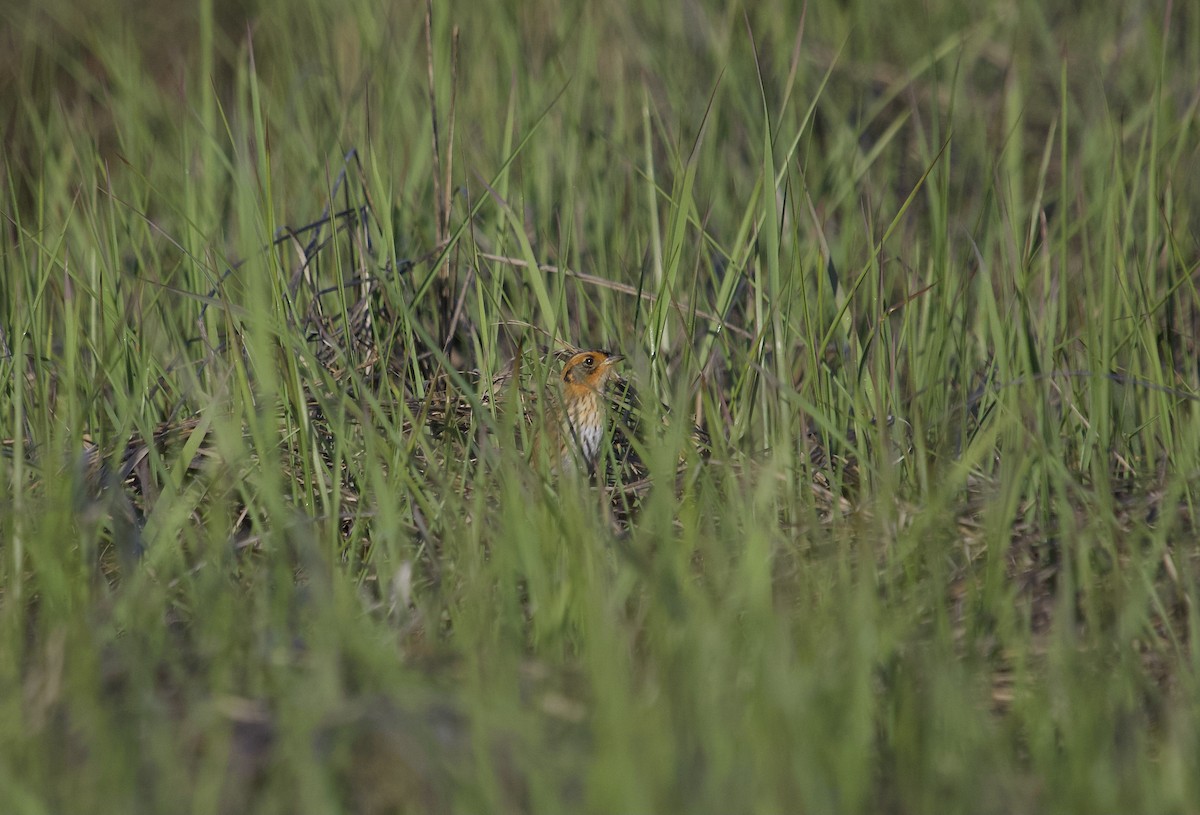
{"x": 242, "y": 570}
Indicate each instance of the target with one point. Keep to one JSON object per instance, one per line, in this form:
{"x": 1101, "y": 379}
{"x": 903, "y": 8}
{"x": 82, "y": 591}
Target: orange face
{"x": 591, "y": 369}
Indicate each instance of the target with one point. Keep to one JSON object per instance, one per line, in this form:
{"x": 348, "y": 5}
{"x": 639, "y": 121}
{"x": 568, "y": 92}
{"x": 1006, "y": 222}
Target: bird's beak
{"x": 613, "y": 359}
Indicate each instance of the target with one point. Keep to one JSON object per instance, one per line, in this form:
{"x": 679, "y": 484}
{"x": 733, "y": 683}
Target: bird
{"x": 581, "y": 412}
{"x": 588, "y": 419}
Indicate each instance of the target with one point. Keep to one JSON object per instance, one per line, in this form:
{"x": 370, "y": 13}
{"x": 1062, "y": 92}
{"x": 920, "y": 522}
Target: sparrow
{"x": 581, "y": 412}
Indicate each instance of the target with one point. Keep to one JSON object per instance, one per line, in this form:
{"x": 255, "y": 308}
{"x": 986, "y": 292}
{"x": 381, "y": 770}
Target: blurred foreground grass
{"x": 926, "y": 274}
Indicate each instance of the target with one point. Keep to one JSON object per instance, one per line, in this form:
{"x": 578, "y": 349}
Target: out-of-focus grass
{"x": 242, "y": 570}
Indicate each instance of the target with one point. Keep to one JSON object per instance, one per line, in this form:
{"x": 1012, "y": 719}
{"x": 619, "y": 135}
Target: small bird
{"x": 578, "y": 419}
{"x": 589, "y": 419}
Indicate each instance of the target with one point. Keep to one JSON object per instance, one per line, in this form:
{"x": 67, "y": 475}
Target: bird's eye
{"x": 589, "y": 361}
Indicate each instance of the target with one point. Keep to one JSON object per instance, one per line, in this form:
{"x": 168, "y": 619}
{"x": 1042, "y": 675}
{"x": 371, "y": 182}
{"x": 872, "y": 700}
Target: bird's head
{"x": 590, "y": 369}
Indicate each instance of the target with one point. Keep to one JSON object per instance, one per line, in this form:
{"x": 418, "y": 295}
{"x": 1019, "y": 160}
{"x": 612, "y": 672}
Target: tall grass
{"x": 925, "y": 273}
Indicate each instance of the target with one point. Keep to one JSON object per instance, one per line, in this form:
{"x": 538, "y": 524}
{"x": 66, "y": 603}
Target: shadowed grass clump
{"x": 908, "y": 295}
